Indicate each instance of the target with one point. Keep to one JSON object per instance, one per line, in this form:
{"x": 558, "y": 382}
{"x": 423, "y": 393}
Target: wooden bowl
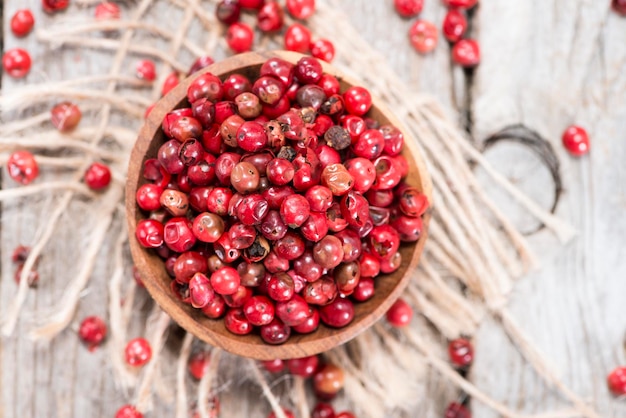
{"x": 152, "y": 269}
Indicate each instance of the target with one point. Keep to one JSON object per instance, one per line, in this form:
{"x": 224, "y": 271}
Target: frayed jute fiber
{"x": 468, "y": 269}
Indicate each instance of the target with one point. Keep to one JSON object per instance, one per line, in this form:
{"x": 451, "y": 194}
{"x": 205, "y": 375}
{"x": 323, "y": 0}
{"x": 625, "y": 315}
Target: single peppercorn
{"x": 97, "y": 176}
{"x": 454, "y": 25}
{"x": 22, "y": 167}
{"x": 146, "y": 70}
{"x": 22, "y": 22}
{"x": 297, "y": 38}
{"x": 576, "y": 140}
{"x": 137, "y": 352}
{"x": 65, "y": 116}
{"x": 408, "y": 8}
{"x": 128, "y": 411}
{"x": 456, "y": 410}
{"x": 240, "y": 37}
{"x": 107, "y": 10}
{"x": 16, "y": 62}
{"x": 461, "y": 4}
{"x": 619, "y": 6}
{"x": 53, "y": 6}
{"x": 198, "y": 364}
{"x": 400, "y": 313}
{"x": 92, "y": 331}
{"x": 323, "y": 49}
{"x": 301, "y": 9}
{"x": 169, "y": 83}
{"x": 461, "y": 352}
{"x": 616, "y": 381}
{"x": 328, "y": 381}
{"x": 466, "y": 53}
{"x": 423, "y": 36}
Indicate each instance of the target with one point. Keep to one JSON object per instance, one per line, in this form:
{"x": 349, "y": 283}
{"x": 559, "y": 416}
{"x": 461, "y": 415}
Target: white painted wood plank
{"x": 547, "y": 65}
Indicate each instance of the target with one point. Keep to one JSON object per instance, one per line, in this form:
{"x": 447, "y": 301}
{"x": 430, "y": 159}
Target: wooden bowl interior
{"x": 157, "y": 281}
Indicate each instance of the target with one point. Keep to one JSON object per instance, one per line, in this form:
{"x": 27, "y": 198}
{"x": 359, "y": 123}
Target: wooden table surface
{"x": 545, "y": 64}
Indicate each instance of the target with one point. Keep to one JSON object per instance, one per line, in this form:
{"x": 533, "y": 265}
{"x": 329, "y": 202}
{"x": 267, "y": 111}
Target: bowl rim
{"x": 179, "y": 311}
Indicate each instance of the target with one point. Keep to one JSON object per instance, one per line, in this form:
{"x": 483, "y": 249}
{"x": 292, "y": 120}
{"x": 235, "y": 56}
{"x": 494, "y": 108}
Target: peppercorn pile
{"x": 288, "y": 179}
{"x": 377, "y": 374}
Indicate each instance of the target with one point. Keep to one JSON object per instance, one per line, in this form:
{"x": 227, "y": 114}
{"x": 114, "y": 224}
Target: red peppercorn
{"x": 22, "y": 167}
{"x": 274, "y": 366}
{"x": 304, "y": 366}
{"x": 619, "y": 6}
{"x": 345, "y": 414}
{"x": 270, "y": 17}
{"x": 328, "y": 381}
{"x": 461, "y": 4}
{"x": 239, "y": 298}
{"x": 92, "y": 331}
{"x": 369, "y": 264}
{"x": 149, "y": 233}
{"x": 53, "y": 6}
{"x": 408, "y": 8}
{"x": 576, "y": 140}
{"x": 323, "y": 49}
{"x": 128, "y": 411}
{"x": 287, "y": 412}
{"x": 297, "y": 38}
{"x": 301, "y": 9}
{"x": 466, "y": 53}
{"x": 423, "y": 36}
{"x": 20, "y": 254}
{"x": 251, "y": 4}
{"x": 310, "y": 324}
{"x": 225, "y": 281}
{"x": 357, "y": 100}
{"x": 240, "y": 37}
{"x": 400, "y": 313}
{"x": 456, "y": 410}
{"x": 138, "y": 352}
{"x": 216, "y": 309}
{"x": 293, "y": 312}
{"x": 178, "y": 234}
{"x": 294, "y": 210}
{"x": 454, "y": 25}
{"x": 616, "y": 381}
{"x": 169, "y": 83}
{"x": 228, "y": 11}
{"x": 16, "y": 62}
{"x": 461, "y": 352}
{"x": 97, "y": 176}
{"x": 65, "y": 116}
{"x": 22, "y": 22}
{"x": 276, "y": 332}
{"x": 384, "y": 241}
{"x": 237, "y": 323}
{"x": 200, "y": 291}
{"x": 198, "y": 364}
{"x": 259, "y": 310}
{"x": 107, "y": 10}
{"x": 146, "y": 70}
{"x": 323, "y": 410}
{"x": 338, "y": 313}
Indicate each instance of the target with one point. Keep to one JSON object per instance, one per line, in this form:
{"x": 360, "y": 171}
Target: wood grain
{"x": 559, "y": 63}
{"x": 152, "y": 268}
